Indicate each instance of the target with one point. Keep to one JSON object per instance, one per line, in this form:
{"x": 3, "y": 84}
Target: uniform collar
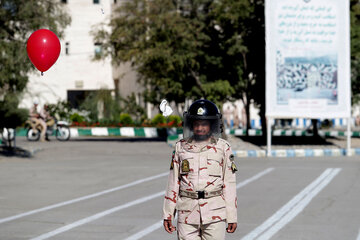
{"x": 212, "y": 140}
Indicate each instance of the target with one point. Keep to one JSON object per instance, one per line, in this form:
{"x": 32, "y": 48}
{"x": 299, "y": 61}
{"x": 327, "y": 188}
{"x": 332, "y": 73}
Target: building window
{"x": 67, "y": 48}
{"x": 98, "y": 49}
{"x": 96, "y": 1}
{"x": 77, "y": 97}
{"x": 63, "y": 1}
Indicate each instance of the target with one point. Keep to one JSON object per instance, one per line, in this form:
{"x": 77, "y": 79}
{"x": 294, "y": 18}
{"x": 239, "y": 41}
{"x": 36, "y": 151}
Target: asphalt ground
{"x": 112, "y": 188}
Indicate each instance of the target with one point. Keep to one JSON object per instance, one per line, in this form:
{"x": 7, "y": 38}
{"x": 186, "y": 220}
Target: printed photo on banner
{"x": 307, "y": 57}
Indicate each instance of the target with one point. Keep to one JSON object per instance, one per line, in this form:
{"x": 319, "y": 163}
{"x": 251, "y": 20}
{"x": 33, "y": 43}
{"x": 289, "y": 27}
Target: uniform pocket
{"x": 214, "y": 162}
{"x": 186, "y": 161}
{"x": 185, "y": 204}
{"x": 216, "y": 203}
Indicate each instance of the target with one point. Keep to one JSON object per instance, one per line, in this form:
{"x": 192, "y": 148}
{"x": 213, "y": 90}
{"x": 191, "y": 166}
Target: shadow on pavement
{"x": 15, "y": 152}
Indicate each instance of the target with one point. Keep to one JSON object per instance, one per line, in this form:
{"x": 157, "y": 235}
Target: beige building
{"x": 74, "y": 73}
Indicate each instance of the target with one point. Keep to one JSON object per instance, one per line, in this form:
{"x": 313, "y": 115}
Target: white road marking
{"x": 158, "y": 225}
{"x": 146, "y": 231}
{"x": 299, "y": 207}
{"x": 358, "y": 237}
{"x": 11, "y": 218}
{"x": 257, "y": 176}
{"x": 97, "y": 216}
{"x": 289, "y": 211}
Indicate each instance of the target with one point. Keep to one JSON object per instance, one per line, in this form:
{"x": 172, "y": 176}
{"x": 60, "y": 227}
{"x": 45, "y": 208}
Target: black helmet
{"x": 202, "y": 110}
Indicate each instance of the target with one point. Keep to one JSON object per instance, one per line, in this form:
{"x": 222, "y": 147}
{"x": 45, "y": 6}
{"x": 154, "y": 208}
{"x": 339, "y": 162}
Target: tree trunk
{"x": 247, "y": 110}
{"x": 116, "y": 89}
{"x": 315, "y": 127}
{"x": 9, "y": 138}
{"x": 263, "y": 121}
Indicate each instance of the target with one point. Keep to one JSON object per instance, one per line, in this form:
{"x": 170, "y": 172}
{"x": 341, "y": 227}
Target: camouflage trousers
{"x": 212, "y": 231}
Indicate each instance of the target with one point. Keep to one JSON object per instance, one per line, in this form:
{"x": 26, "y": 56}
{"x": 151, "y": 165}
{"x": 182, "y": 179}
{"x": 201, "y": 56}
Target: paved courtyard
{"x": 112, "y": 188}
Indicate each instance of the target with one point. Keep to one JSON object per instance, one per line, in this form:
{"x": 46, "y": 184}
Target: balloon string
{"x": 42, "y": 74}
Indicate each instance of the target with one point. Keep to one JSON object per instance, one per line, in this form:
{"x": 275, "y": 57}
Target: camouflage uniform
{"x": 202, "y": 166}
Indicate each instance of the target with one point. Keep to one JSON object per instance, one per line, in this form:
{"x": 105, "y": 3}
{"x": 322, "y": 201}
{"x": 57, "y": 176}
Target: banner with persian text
{"x": 307, "y": 58}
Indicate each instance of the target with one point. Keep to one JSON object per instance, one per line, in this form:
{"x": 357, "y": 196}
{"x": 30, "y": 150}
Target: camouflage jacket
{"x": 205, "y": 167}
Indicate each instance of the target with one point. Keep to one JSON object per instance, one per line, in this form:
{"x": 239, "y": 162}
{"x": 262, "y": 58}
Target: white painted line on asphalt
{"x": 158, "y": 225}
{"x": 257, "y": 176}
{"x": 299, "y": 208}
{"x": 292, "y": 208}
{"x": 270, "y": 221}
{"x": 11, "y": 218}
{"x": 358, "y": 237}
{"x": 146, "y": 231}
{"x": 97, "y": 216}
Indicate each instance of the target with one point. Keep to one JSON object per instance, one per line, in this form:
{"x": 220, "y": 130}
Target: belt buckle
{"x": 201, "y": 194}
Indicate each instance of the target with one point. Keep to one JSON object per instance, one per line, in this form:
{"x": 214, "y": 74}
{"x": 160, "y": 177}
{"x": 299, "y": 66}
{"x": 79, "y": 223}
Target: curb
{"x": 329, "y": 152}
{"x": 297, "y": 153}
{"x": 124, "y": 132}
{"x": 280, "y": 132}
{"x": 147, "y": 132}
{"x": 156, "y": 132}
{"x": 172, "y": 139}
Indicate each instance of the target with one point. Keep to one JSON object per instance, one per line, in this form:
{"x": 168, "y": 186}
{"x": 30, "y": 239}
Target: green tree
{"x": 174, "y": 47}
{"x": 355, "y": 50}
{"x": 201, "y": 48}
{"x": 250, "y": 50}
{"x": 130, "y": 106}
{"x": 241, "y": 38}
{"x": 18, "y": 19}
{"x": 102, "y": 106}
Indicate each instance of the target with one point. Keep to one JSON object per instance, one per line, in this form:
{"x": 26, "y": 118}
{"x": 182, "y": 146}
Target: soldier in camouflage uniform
{"x": 202, "y": 184}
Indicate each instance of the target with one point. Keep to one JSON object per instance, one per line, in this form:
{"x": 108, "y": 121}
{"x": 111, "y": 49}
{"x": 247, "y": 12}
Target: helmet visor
{"x": 201, "y": 128}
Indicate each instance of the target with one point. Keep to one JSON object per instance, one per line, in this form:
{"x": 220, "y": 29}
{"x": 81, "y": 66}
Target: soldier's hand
{"x": 168, "y": 226}
{"x": 231, "y": 227}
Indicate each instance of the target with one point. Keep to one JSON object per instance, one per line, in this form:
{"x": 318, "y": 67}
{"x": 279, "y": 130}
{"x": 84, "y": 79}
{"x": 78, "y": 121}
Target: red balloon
{"x": 43, "y": 48}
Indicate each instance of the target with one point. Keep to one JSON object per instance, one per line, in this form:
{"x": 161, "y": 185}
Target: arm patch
{"x": 233, "y": 165}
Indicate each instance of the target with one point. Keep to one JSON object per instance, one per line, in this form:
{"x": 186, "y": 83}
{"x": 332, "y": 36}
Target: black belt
{"x": 200, "y": 194}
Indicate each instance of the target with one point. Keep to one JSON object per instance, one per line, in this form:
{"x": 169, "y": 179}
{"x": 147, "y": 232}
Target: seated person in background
{"x": 37, "y": 120}
{"x": 44, "y": 114}
{"x": 48, "y": 119}
{"x": 357, "y": 120}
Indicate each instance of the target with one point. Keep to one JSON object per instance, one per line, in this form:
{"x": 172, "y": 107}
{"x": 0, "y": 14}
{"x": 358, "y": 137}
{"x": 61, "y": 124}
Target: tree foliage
{"x": 101, "y": 105}
{"x": 201, "y": 48}
{"x": 355, "y": 50}
{"x": 130, "y": 106}
{"x": 176, "y": 46}
{"x": 18, "y": 19}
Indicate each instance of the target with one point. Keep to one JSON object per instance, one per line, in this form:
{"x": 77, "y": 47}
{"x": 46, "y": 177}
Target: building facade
{"x": 74, "y": 73}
